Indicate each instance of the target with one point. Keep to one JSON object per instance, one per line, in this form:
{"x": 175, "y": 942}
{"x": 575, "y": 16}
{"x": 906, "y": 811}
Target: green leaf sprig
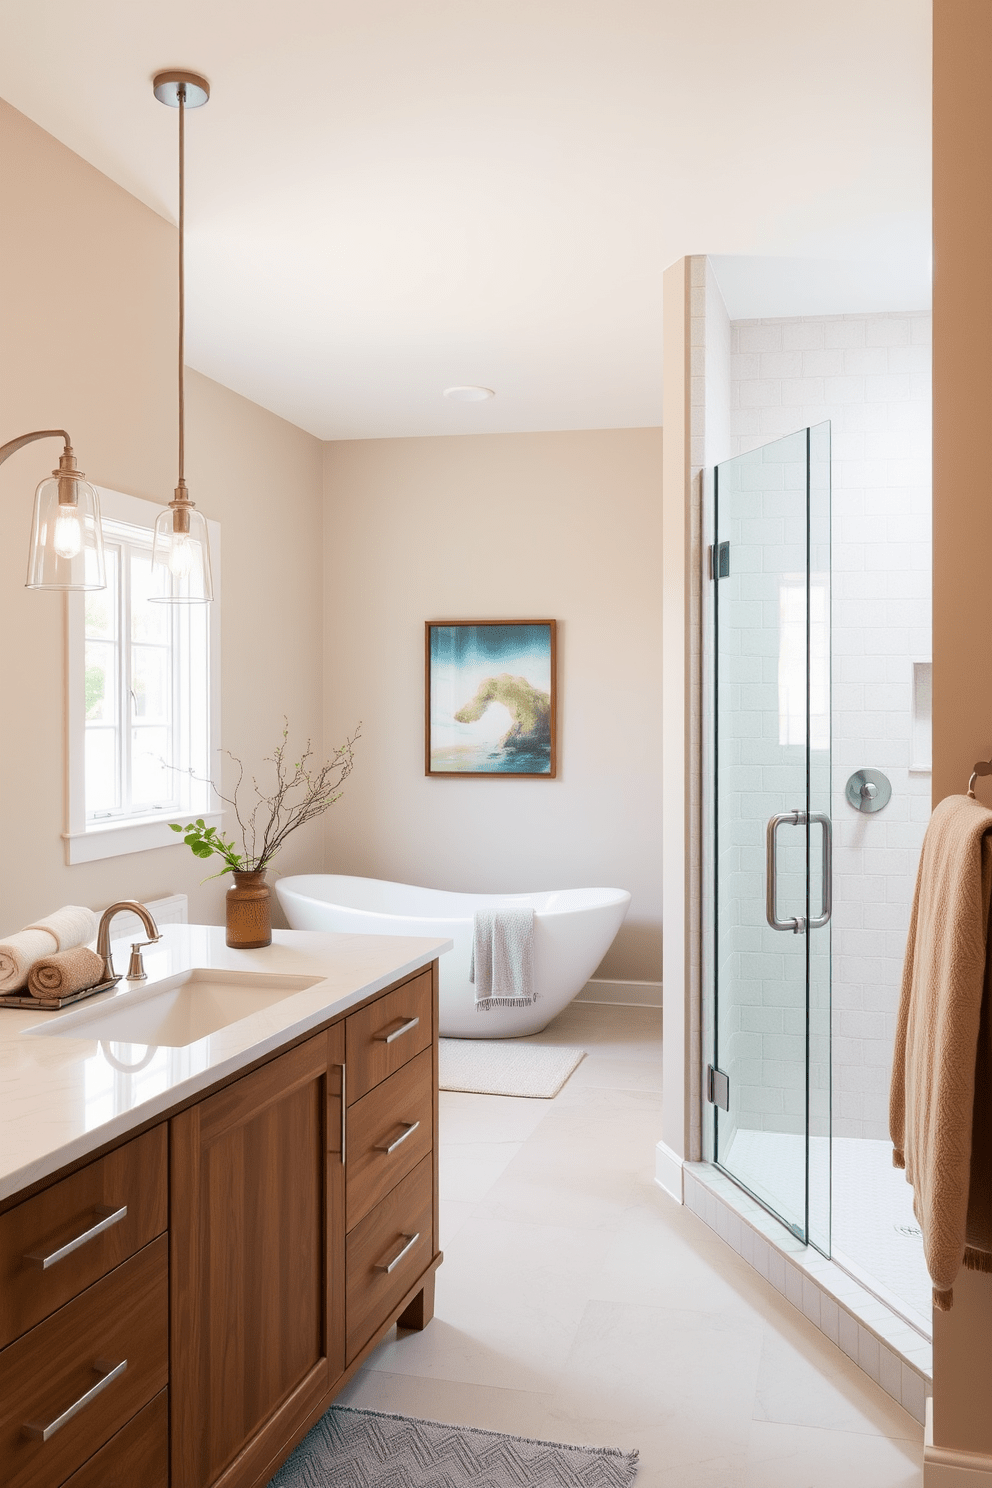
{"x": 204, "y": 841}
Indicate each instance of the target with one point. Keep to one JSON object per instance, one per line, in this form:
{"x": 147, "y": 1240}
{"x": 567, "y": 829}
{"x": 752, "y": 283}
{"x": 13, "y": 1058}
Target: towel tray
{"x": 53, "y": 1004}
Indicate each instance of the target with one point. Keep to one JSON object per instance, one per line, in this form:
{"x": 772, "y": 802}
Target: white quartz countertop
{"x": 61, "y": 1098}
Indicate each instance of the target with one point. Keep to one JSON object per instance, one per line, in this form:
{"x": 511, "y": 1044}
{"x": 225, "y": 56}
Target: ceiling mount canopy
{"x": 168, "y": 84}
{"x": 181, "y": 549}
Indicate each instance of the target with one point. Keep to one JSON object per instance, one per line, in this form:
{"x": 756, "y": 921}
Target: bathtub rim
{"x": 610, "y": 898}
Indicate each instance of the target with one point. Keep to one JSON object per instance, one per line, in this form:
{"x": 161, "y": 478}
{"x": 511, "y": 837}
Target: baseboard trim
{"x": 944, "y": 1467}
{"x": 668, "y": 1172}
{"x": 623, "y": 994}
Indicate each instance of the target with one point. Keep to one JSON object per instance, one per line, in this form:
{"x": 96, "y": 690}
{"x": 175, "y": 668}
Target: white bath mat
{"x": 505, "y": 1067}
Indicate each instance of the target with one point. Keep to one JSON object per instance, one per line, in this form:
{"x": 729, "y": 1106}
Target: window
{"x": 142, "y": 684}
{"x": 804, "y": 660}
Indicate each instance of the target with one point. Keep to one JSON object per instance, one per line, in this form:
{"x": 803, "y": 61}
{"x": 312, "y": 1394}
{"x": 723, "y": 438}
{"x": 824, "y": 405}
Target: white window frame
{"x": 86, "y": 841}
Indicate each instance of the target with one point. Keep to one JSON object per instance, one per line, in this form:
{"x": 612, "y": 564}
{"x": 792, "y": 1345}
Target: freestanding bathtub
{"x": 573, "y": 930}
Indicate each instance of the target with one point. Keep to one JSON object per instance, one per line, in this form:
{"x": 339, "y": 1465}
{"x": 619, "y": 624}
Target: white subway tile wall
{"x": 870, "y": 376}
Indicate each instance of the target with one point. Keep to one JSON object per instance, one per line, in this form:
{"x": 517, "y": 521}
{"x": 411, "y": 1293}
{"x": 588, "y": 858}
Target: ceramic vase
{"x": 249, "y": 916}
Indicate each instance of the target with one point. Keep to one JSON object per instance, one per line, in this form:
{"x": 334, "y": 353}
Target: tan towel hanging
{"x": 940, "y": 1109}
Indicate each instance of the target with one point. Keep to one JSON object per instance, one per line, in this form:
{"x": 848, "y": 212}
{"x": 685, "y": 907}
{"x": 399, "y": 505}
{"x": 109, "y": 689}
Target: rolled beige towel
{"x": 65, "y": 972}
{"x": 72, "y": 925}
{"x": 19, "y": 952}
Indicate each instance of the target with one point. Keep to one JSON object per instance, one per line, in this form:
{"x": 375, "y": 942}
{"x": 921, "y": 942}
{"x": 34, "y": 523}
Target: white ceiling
{"x": 387, "y": 197}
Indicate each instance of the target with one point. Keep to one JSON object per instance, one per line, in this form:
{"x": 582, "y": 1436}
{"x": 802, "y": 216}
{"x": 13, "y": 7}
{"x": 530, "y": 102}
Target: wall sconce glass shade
{"x": 66, "y": 536}
{"x": 181, "y": 556}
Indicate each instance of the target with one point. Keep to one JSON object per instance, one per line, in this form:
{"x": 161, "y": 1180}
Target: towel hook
{"x": 984, "y": 767}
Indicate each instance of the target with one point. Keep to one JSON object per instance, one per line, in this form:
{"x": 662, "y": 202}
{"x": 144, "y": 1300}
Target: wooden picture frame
{"x": 490, "y": 707}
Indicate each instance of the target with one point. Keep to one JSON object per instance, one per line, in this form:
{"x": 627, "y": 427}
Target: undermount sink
{"x": 178, "y": 1010}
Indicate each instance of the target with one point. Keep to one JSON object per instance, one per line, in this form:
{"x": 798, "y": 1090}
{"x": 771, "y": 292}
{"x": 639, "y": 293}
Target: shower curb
{"x": 892, "y": 1354}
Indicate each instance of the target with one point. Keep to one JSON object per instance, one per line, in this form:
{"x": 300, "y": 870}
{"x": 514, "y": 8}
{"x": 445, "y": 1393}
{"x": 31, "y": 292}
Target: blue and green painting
{"x": 490, "y": 699}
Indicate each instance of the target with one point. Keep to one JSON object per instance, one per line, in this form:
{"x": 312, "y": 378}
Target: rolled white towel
{"x": 72, "y": 925}
{"x": 19, "y": 952}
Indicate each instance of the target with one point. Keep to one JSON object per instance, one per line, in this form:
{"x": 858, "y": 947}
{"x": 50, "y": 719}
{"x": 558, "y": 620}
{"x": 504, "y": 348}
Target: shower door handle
{"x": 827, "y": 871}
{"x": 782, "y": 818}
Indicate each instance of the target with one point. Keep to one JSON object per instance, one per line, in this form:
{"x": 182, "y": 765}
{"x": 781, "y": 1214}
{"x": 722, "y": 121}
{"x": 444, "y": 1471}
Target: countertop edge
{"x": 118, "y": 1126}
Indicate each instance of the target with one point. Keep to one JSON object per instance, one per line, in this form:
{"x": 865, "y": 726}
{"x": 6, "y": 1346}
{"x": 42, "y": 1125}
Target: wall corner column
{"x": 959, "y": 1446}
{"x": 679, "y": 695}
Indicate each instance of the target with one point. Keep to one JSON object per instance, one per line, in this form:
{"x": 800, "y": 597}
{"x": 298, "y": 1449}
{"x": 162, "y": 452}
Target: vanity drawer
{"x": 387, "y": 1034}
{"x": 389, "y": 1131}
{"x": 123, "y": 1317}
{"x": 34, "y": 1278}
{"x": 382, "y": 1264}
{"x": 137, "y": 1457}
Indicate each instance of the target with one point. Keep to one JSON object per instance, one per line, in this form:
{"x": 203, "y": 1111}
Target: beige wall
{"x": 87, "y": 330}
{"x": 962, "y": 653}
{"x": 563, "y": 526}
{"x": 677, "y": 833}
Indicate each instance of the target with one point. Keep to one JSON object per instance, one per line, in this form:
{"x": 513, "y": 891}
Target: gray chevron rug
{"x": 351, "y": 1448}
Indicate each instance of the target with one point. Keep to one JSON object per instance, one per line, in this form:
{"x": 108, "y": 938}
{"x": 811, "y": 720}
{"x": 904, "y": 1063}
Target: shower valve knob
{"x": 868, "y": 790}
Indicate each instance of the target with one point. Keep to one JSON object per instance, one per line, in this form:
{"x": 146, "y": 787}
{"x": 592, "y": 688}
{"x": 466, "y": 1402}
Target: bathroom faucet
{"x": 103, "y": 933}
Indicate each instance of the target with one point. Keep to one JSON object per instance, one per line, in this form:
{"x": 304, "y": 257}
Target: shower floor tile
{"x": 875, "y": 1235}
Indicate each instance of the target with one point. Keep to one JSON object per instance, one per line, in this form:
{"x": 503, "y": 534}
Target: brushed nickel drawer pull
{"x": 108, "y": 1216}
{"x": 387, "y": 1038}
{"x": 44, "y": 1431}
{"x": 388, "y": 1266}
{"x": 411, "y": 1127}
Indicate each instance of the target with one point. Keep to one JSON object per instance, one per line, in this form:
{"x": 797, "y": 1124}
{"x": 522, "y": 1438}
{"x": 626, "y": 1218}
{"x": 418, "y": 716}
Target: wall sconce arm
{"x": 13, "y": 445}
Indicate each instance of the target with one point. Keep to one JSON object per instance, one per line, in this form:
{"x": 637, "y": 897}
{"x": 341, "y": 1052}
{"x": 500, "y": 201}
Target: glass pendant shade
{"x": 66, "y": 537}
{"x": 181, "y": 557}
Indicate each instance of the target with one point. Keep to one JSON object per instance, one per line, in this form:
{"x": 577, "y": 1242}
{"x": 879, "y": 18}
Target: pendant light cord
{"x": 181, "y": 91}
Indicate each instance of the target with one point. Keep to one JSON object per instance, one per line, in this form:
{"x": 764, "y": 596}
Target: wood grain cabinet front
{"x": 388, "y": 1032}
{"x": 71, "y": 1383}
{"x": 256, "y": 1231}
{"x": 390, "y": 1131}
{"x": 57, "y": 1243}
{"x": 387, "y": 1252}
{"x": 137, "y": 1457}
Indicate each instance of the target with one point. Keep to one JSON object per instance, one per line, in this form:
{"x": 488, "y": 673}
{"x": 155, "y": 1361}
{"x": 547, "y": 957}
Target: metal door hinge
{"x": 717, "y": 1087}
{"x": 719, "y": 560}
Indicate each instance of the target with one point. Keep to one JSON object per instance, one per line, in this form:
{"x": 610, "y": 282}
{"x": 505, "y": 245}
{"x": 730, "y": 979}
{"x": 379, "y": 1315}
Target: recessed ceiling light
{"x": 468, "y": 394}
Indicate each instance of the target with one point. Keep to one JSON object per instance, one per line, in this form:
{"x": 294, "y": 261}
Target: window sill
{"x": 142, "y": 835}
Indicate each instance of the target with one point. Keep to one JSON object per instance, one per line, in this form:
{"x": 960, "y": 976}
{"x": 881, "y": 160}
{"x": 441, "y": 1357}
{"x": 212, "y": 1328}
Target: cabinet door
{"x": 256, "y": 1227}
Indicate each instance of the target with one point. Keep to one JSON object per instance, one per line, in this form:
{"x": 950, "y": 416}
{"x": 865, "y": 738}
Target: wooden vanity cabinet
{"x": 293, "y": 1192}
{"x": 257, "y": 1186}
{"x": 272, "y": 1233}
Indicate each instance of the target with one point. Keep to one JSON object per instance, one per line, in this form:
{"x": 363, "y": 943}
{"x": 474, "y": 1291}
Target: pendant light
{"x": 66, "y": 535}
{"x": 181, "y": 549}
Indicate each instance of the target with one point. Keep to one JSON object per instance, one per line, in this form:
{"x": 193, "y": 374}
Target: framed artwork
{"x": 491, "y": 689}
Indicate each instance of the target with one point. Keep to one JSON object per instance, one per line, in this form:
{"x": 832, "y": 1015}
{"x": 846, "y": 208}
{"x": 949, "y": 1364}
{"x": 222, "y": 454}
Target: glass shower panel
{"x": 772, "y": 827}
{"x": 818, "y": 950}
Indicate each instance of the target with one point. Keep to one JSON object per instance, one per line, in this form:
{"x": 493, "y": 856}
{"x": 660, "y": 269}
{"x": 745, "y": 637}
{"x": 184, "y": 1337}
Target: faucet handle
{"x": 136, "y": 967}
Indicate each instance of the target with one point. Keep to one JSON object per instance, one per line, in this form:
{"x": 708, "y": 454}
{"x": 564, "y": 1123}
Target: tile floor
{"x": 578, "y": 1303}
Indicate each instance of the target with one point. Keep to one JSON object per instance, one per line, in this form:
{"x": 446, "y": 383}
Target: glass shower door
{"x": 771, "y": 1067}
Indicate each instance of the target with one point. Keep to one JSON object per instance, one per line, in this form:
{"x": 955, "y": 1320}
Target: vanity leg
{"x": 421, "y": 1309}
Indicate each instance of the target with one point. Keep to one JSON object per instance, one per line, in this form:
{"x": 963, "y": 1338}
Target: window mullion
{"x": 125, "y": 709}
